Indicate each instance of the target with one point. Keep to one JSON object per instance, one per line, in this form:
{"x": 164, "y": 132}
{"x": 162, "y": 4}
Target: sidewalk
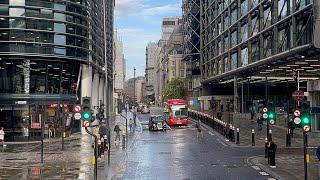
{"x": 289, "y": 160}
{"x": 288, "y": 167}
{"x": 23, "y": 161}
{"x": 278, "y": 133}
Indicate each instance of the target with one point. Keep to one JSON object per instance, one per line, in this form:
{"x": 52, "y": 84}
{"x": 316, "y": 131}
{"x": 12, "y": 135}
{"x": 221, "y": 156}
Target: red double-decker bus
{"x": 178, "y": 112}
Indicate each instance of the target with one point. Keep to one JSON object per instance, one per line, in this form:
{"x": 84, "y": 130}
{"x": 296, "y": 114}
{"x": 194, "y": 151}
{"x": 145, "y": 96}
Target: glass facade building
{"x": 239, "y": 35}
{"x": 43, "y": 45}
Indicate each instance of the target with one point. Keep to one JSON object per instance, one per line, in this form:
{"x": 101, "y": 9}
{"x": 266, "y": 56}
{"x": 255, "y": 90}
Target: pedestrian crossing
{"x": 262, "y": 173}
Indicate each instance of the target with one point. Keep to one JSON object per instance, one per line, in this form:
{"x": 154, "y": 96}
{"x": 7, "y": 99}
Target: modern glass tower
{"x": 48, "y": 51}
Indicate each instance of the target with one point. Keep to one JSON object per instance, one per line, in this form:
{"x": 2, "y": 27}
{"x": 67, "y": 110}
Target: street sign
{"x": 297, "y": 120}
{"x": 77, "y": 116}
{"x": 265, "y": 110}
{"x": 86, "y": 123}
{"x": 297, "y": 112}
{"x": 77, "y": 108}
{"x": 298, "y": 95}
{"x": 306, "y": 128}
{"x": 265, "y": 115}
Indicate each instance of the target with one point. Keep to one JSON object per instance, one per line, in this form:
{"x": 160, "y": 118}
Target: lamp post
{"x": 134, "y": 94}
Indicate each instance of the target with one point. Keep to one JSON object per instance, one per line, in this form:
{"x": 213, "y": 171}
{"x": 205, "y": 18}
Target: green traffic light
{"x": 271, "y": 115}
{"x": 86, "y": 115}
{"x": 306, "y": 120}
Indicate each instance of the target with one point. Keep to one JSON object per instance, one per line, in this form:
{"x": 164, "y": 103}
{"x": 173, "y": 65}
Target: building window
{"x": 255, "y": 51}
{"x": 234, "y": 39}
{"x": 38, "y": 71}
{"x": 226, "y": 43}
{"x": 254, "y": 3}
{"x": 283, "y": 10}
{"x": 225, "y": 23}
{"x": 226, "y": 64}
{"x": 244, "y": 7}
{"x": 284, "y": 39}
{"x": 244, "y": 32}
{"x": 234, "y": 61}
{"x": 234, "y": 16}
{"x": 267, "y": 46}
{"x": 244, "y": 57}
{"x": 4, "y": 10}
{"x": 255, "y": 26}
{"x": 267, "y": 18}
{"x": 17, "y": 2}
{"x": 60, "y": 27}
{"x": 18, "y": 12}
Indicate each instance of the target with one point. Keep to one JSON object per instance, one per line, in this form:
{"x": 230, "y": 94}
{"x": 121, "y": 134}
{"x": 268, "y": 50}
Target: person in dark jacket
{"x": 117, "y": 130}
{"x": 272, "y": 148}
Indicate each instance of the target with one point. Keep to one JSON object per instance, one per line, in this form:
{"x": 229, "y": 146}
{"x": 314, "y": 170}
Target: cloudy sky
{"x": 139, "y": 22}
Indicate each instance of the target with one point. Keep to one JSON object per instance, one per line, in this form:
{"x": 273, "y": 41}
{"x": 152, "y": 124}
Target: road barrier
{"x": 223, "y": 128}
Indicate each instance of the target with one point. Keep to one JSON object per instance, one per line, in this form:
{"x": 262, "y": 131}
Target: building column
{"x": 235, "y": 92}
{"x": 86, "y": 81}
{"x": 86, "y": 84}
{"x": 101, "y": 90}
{"x": 95, "y": 92}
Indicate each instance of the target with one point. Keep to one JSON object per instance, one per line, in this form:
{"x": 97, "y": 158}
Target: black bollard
{"x": 253, "y": 138}
{"x": 238, "y": 136}
{"x": 123, "y": 141}
{"x": 266, "y": 152}
{"x": 99, "y": 148}
{"x": 288, "y": 138}
{"x": 270, "y": 135}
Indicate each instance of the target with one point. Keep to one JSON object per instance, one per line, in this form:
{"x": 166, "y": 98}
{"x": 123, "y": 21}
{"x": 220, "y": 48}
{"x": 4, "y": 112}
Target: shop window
{"x": 38, "y": 72}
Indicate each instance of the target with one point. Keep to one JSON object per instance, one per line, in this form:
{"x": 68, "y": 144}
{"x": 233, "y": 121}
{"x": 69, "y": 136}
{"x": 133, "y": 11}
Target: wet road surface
{"x": 178, "y": 154}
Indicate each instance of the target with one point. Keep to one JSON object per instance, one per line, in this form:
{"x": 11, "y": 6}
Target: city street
{"x": 178, "y": 154}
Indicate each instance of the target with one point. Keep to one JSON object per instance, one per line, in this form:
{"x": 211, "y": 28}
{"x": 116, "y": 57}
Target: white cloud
{"x": 142, "y": 8}
{"x": 161, "y": 10}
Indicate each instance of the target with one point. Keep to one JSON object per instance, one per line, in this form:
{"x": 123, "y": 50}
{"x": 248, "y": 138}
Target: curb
{"x": 75, "y": 136}
{"x": 253, "y": 161}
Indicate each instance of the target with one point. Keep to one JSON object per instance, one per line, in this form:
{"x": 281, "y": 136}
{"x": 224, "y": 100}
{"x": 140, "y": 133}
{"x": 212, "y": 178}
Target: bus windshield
{"x": 181, "y": 113}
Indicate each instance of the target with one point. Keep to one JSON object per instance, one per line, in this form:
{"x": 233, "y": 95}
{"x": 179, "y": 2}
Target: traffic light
{"x": 305, "y": 117}
{"x": 265, "y": 113}
{"x": 86, "y": 108}
{"x": 272, "y": 114}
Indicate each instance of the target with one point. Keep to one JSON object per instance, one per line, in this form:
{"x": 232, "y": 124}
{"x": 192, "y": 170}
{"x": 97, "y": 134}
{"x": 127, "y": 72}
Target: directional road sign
{"x": 297, "y": 120}
{"x": 77, "y": 116}
{"x": 265, "y": 115}
{"x": 265, "y": 110}
{"x": 298, "y": 95}
{"x": 297, "y": 113}
{"x": 86, "y": 123}
{"x": 77, "y": 108}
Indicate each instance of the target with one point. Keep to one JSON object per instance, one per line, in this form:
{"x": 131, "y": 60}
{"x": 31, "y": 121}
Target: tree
{"x": 176, "y": 89}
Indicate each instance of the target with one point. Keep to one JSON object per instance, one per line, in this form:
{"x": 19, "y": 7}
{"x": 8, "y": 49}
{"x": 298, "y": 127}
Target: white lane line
{"x": 263, "y": 173}
{"x": 211, "y": 133}
{"x": 224, "y": 144}
{"x": 255, "y": 168}
{"x": 272, "y": 179}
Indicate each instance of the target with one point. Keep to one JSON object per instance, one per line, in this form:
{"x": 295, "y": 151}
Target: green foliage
{"x": 176, "y": 89}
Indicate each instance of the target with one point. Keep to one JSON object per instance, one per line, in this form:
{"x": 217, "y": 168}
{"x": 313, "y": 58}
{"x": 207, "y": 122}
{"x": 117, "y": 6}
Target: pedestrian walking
{"x": 2, "y": 136}
{"x": 131, "y": 124}
{"x": 259, "y": 121}
{"x": 252, "y": 113}
{"x": 272, "y": 148}
{"x": 117, "y": 130}
{"x": 164, "y": 126}
{"x": 199, "y": 130}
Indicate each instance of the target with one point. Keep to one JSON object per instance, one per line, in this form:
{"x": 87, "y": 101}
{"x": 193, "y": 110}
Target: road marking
{"x": 211, "y": 133}
{"x": 255, "y": 168}
{"x": 263, "y": 173}
{"x": 224, "y": 144}
{"x": 272, "y": 179}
